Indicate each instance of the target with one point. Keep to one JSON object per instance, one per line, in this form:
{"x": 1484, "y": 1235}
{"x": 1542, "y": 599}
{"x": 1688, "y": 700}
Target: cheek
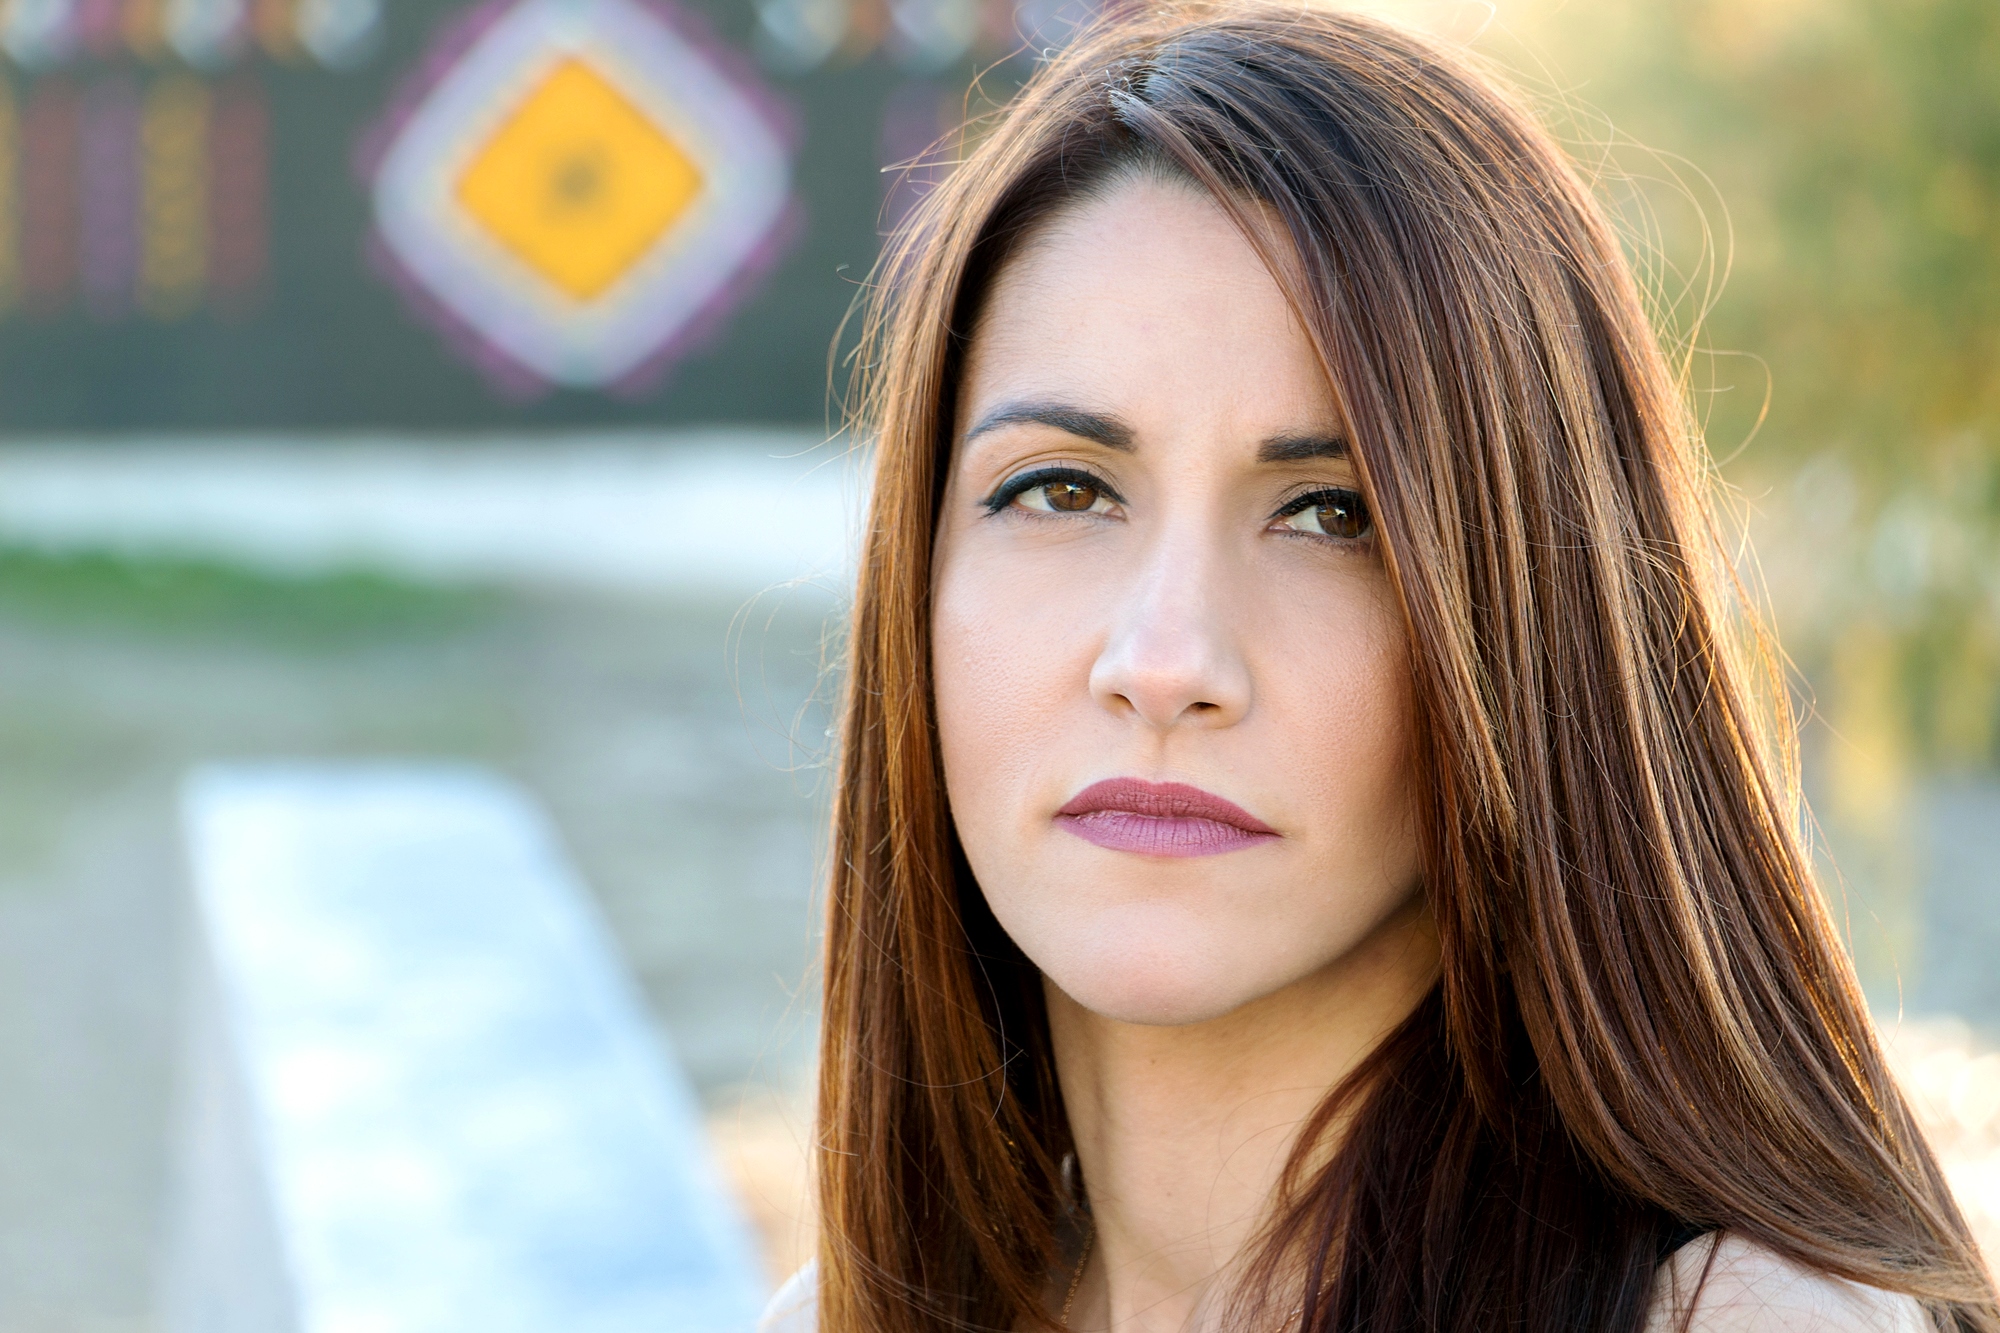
{"x": 1004, "y": 666}
{"x": 1349, "y": 754}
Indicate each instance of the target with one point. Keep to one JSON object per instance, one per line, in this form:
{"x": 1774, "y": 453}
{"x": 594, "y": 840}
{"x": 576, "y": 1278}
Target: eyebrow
{"x": 1111, "y": 432}
{"x": 1301, "y": 448}
{"x": 1098, "y": 427}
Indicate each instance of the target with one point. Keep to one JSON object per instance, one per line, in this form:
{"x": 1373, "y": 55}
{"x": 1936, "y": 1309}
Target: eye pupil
{"x": 1343, "y": 516}
{"x": 1070, "y": 497}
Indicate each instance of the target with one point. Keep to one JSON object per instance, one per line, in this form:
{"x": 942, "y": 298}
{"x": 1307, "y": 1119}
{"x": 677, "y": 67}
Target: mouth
{"x": 1161, "y": 819}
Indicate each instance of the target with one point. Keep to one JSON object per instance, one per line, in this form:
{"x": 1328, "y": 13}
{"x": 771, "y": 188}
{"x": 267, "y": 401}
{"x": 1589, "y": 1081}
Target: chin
{"x": 1156, "y": 967}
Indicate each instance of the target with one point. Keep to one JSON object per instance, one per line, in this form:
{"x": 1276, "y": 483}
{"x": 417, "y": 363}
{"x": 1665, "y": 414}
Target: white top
{"x": 795, "y": 1309}
{"x": 1750, "y": 1289}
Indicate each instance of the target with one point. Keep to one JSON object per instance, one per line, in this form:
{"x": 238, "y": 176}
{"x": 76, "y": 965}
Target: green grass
{"x": 201, "y": 598}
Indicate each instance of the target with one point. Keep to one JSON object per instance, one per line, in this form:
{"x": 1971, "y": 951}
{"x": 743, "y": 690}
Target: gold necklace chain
{"x": 1076, "y": 1278}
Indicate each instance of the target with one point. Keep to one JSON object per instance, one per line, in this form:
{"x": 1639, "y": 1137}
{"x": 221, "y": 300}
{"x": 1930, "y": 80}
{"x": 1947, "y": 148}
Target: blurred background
{"x": 354, "y": 401}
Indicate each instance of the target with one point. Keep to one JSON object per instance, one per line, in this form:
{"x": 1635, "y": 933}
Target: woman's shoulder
{"x": 1735, "y": 1285}
{"x": 795, "y": 1307}
{"x": 1748, "y": 1288}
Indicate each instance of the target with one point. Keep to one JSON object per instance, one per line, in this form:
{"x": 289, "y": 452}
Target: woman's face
{"x": 1172, "y": 680}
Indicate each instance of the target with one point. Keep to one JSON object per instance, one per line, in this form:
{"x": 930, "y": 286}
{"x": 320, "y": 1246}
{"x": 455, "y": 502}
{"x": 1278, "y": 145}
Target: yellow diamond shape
{"x": 579, "y": 182}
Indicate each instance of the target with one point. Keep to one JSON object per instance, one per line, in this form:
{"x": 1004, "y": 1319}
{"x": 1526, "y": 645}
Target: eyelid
{"x": 1022, "y": 482}
{"x": 1305, "y": 499}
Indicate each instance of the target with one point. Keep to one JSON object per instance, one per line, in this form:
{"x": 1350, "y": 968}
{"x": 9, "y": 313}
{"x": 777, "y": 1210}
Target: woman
{"x": 1307, "y": 852}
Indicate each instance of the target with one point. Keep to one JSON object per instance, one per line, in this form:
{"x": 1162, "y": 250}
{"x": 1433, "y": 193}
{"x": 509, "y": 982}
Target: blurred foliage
{"x": 1845, "y": 156}
{"x": 206, "y": 600}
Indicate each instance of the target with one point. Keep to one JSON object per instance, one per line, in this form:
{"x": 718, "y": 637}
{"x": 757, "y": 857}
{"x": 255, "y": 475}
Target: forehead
{"x": 1148, "y": 301}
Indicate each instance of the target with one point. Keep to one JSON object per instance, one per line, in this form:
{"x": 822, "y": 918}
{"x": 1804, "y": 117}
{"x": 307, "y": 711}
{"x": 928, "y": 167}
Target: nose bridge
{"x": 1171, "y": 655}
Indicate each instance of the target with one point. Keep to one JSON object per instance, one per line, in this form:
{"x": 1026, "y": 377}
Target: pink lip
{"x": 1160, "y": 819}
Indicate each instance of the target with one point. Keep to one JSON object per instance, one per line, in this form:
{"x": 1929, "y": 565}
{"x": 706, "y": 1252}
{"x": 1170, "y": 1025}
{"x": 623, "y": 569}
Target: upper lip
{"x": 1162, "y": 800}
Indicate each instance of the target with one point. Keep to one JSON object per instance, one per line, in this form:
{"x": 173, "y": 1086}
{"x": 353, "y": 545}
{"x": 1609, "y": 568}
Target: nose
{"x": 1171, "y": 658}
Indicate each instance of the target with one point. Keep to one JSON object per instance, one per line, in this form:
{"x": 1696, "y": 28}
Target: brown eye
{"x": 1345, "y": 517}
{"x": 1070, "y": 497}
{"x": 1056, "y": 490}
{"x": 1340, "y": 514}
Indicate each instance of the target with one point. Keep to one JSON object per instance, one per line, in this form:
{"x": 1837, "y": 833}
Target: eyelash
{"x": 1014, "y": 488}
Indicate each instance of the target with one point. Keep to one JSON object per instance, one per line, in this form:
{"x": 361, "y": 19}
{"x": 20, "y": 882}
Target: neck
{"x": 1182, "y": 1132}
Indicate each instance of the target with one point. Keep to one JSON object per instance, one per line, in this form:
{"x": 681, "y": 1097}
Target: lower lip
{"x": 1153, "y": 835}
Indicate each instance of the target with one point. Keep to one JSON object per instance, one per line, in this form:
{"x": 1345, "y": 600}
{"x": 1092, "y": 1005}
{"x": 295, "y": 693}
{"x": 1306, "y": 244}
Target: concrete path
{"x": 658, "y": 736}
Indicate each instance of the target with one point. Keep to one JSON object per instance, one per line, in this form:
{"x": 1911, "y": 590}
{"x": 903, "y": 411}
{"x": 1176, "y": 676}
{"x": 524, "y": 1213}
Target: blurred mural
{"x": 450, "y": 379}
{"x": 302, "y": 214}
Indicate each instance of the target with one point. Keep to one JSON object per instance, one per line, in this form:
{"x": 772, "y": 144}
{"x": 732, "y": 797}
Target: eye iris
{"x": 1070, "y": 497}
{"x": 1343, "y": 516}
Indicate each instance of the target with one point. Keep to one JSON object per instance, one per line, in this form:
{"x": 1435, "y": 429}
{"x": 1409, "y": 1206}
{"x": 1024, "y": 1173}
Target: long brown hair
{"x": 1646, "y": 1023}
